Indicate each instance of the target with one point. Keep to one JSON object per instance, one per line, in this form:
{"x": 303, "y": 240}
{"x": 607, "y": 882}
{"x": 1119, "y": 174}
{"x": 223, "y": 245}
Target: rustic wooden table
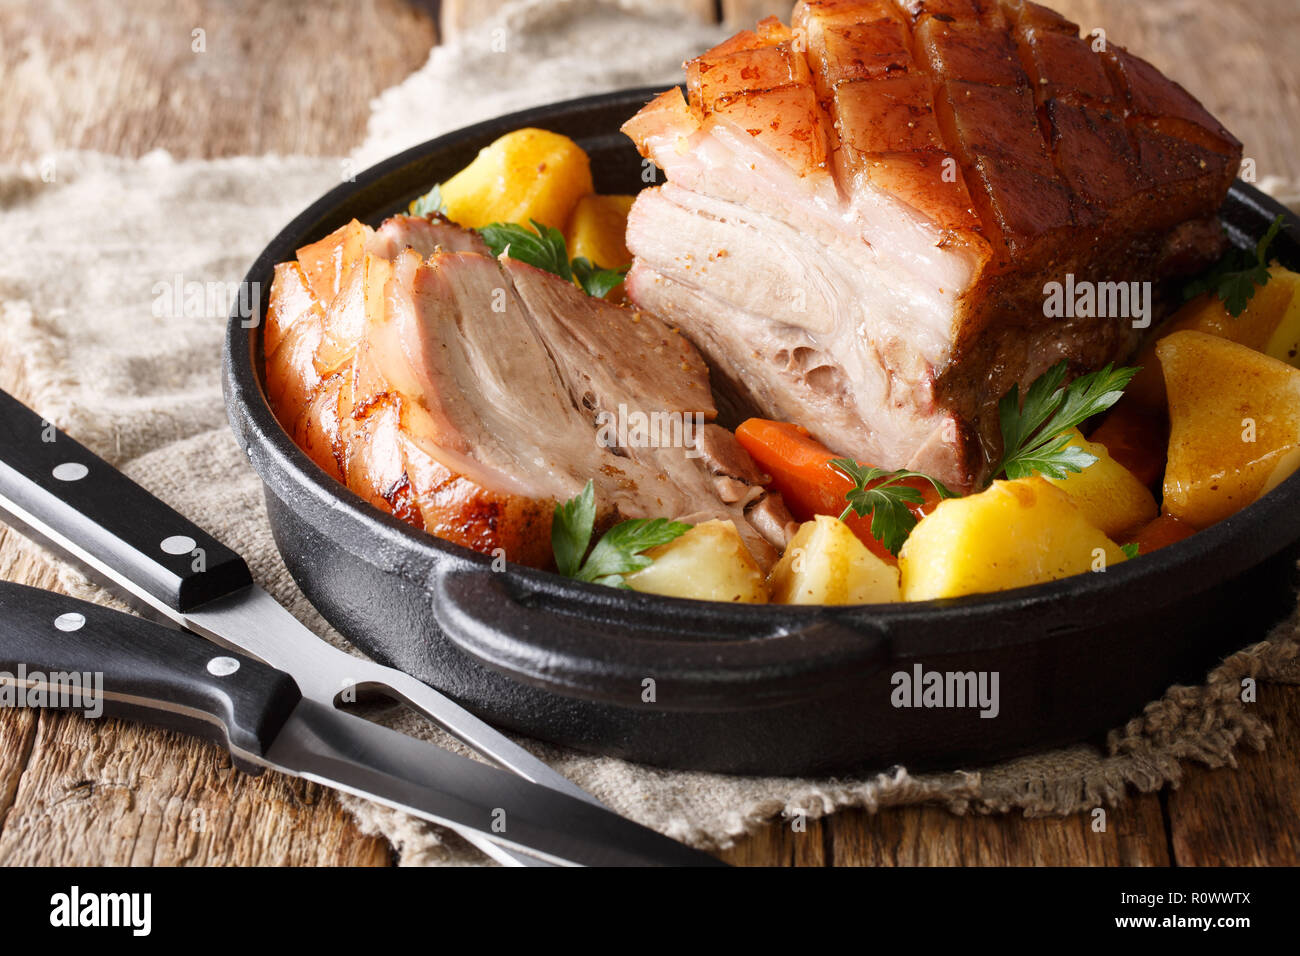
{"x": 116, "y": 75}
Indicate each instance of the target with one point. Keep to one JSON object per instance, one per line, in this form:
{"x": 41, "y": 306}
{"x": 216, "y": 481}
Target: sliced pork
{"x": 467, "y": 395}
{"x": 862, "y": 212}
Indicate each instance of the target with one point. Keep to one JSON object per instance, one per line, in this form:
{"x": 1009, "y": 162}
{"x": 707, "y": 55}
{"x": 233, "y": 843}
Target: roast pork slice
{"x": 864, "y": 212}
{"x": 426, "y": 235}
{"x": 467, "y": 395}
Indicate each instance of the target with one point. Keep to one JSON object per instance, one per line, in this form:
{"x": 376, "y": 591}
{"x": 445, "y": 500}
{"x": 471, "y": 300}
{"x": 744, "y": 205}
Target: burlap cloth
{"x": 93, "y": 249}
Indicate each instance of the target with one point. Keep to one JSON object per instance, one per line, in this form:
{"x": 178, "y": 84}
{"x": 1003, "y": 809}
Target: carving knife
{"x": 66, "y": 653}
{"x": 61, "y": 494}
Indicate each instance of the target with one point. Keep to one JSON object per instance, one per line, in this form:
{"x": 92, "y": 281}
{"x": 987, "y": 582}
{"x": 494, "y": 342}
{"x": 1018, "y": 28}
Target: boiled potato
{"x": 1108, "y": 494}
{"x": 1234, "y": 417}
{"x": 527, "y": 174}
{"x": 1284, "y": 343}
{"x": 708, "y": 563}
{"x": 1012, "y": 534}
{"x": 597, "y": 228}
{"x": 825, "y": 563}
{"x": 1269, "y": 324}
{"x": 1264, "y": 315}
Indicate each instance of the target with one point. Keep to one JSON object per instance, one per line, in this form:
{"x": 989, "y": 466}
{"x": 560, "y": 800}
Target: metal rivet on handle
{"x": 222, "y": 666}
{"x": 70, "y": 471}
{"x": 179, "y": 544}
{"x": 72, "y": 621}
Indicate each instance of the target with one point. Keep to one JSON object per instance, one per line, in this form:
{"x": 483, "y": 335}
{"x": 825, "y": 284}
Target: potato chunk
{"x": 1284, "y": 342}
{"x": 1012, "y": 534}
{"x": 1109, "y": 495}
{"x": 1269, "y": 324}
{"x": 526, "y": 174}
{"x": 709, "y": 563}
{"x": 825, "y": 563}
{"x": 597, "y": 229}
{"x": 1234, "y": 417}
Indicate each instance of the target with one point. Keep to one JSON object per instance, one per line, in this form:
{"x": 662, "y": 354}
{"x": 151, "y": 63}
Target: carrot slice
{"x": 1137, "y": 438}
{"x": 800, "y": 470}
{"x": 1163, "y": 531}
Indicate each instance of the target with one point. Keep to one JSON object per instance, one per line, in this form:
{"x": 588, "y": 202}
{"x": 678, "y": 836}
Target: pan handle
{"x": 591, "y": 649}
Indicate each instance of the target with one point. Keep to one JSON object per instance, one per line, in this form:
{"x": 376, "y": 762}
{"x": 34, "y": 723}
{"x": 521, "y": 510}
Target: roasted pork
{"x": 864, "y": 211}
{"x": 468, "y": 394}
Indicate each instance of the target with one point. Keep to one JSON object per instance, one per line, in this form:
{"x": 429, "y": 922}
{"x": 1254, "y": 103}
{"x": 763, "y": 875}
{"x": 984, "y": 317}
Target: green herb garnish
{"x": 1236, "y": 276}
{"x": 594, "y": 280}
{"x": 430, "y": 204}
{"x": 891, "y": 520}
{"x": 1130, "y": 550}
{"x": 541, "y": 246}
{"x": 1036, "y": 436}
{"x": 619, "y": 550}
{"x": 544, "y": 247}
{"x": 571, "y": 530}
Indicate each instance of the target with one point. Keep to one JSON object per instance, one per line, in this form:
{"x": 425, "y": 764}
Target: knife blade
{"x": 258, "y": 713}
{"x": 64, "y": 496}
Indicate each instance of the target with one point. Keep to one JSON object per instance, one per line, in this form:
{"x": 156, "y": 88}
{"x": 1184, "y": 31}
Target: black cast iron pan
{"x": 743, "y": 689}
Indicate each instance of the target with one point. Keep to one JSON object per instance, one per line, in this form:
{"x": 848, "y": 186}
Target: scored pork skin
{"x": 463, "y": 393}
{"x": 862, "y": 211}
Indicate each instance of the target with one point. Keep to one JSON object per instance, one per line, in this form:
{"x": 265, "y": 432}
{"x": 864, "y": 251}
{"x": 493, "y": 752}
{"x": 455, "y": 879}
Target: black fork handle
{"x": 62, "y": 493}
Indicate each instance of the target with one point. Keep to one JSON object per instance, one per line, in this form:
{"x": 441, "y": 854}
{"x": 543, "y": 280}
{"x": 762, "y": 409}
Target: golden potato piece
{"x": 1269, "y": 324}
{"x": 597, "y": 229}
{"x": 527, "y": 174}
{"x": 825, "y": 563}
{"x": 1234, "y": 417}
{"x": 1108, "y": 494}
{"x": 1284, "y": 343}
{"x": 1012, "y": 534}
{"x": 709, "y": 563}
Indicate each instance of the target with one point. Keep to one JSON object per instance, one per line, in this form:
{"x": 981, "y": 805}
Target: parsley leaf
{"x": 1130, "y": 550}
{"x": 594, "y": 280}
{"x": 1236, "y": 276}
{"x": 541, "y": 246}
{"x": 885, "y": 501}
{"x": 571, "y": 530}
{"x": 430, "y": 203}
{"x": 619, "y": 550}
{"x": 1036, "y": 435}
{"x": 544, "y": 247}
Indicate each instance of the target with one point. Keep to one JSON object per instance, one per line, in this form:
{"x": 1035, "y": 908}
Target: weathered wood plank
{"x": 108, "y": 793}
{"x": 1248, "y": 815}
{"x": 128, "y": 77}
{"x": 783, "y": 843}
{"x": 930, "y": 836}
{"x": 17, "y": 737}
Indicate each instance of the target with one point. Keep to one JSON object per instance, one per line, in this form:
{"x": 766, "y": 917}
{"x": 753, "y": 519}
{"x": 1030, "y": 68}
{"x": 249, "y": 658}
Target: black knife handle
{"x": 49, "y": 477}
{"x": 193, "y": 687}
